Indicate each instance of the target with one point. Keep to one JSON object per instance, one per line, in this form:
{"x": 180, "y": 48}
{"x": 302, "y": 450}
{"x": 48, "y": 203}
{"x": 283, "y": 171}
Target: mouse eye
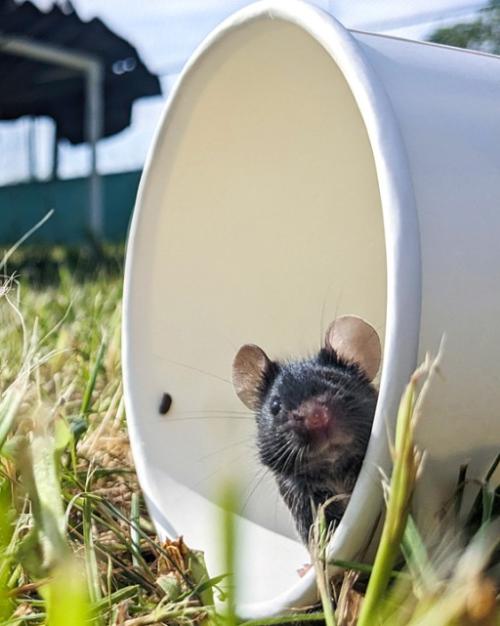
{"x": 275, "y": 406}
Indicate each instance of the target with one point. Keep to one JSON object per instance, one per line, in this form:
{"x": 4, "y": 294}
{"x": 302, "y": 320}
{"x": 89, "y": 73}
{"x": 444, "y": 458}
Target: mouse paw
{"x": 302, "y": 571}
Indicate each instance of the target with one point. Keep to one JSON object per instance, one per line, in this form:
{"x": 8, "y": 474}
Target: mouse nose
{"x": 312, "y": 417}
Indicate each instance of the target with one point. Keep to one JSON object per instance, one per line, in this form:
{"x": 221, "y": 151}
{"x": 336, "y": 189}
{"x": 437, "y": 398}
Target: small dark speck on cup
{"x": 165, "y": 404}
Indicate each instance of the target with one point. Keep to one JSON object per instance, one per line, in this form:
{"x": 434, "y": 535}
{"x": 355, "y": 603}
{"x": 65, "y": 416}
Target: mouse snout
{"x": 312, "y": 417}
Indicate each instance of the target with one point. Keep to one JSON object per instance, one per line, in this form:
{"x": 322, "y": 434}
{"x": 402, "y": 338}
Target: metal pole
{"x": 92, "y": 68}
{"x": 55, "y": 156}
{"x": 31, "y": 149}
{"x": 93, "y": 128}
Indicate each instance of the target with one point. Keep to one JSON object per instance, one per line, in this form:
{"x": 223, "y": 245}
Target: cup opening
{"x": 261, "y": 217}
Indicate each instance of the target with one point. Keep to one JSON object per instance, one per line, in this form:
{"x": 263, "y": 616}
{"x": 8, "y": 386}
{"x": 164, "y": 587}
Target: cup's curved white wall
{"x": 300, "y": 172}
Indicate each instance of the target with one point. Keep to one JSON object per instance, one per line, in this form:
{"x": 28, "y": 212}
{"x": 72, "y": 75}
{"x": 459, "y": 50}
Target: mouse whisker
{"x": 207, "y": 418}
{"x": 196, "y": 369}
{"x": 260, "y": 478}
{"x": 215, "y": 412}
{"x": 233, "y": 444}
{"x": 281, "y": 461}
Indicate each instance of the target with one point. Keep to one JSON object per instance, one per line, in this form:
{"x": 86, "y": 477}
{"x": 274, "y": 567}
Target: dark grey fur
{"x": 307, "y": 474}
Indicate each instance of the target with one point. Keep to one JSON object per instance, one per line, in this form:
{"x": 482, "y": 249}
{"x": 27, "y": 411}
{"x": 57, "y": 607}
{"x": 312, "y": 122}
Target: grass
{"x": 76, "y": 543}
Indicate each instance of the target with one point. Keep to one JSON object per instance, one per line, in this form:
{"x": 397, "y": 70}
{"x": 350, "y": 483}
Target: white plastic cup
{"x": 302, "y": 171}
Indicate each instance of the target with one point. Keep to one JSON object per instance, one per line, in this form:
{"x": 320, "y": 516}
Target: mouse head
{"x": 320, "y": 407}
{"x": 349, "y": 340}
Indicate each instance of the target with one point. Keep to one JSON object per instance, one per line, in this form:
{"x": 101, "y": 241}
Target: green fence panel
{"x": 23, "y": 205}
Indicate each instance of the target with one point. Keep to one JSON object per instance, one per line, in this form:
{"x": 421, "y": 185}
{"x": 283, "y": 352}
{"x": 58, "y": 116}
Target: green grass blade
{"x": 9, "y": 406}
{"x": 125, "y": 593}
{"x": 320, "y": 539}
{"x": 476, "y": 512}
{"x": 89, "y": 389}
{"x": 286, "y": 619}
{"x": 49, "y": 512}
{"x": 135, "y": 515}
{"x": 363, "y": 568}
{"x": 91, "y": 568}
{"x": 397, "y": 509}
{"x": 229, "y": 502}
{"x": 67, "y": 601}
{"x": 459, "y": 496}
{"x": 417, "y": 558}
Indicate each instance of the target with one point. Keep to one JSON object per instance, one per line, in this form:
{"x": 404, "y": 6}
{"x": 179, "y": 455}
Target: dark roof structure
{"x": 33, "y": 87}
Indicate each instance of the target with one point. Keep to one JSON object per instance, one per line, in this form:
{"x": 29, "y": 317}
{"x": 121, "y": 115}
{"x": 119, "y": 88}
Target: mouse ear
{"x": 356, "y": 341}
{"x": 249, "y": 368}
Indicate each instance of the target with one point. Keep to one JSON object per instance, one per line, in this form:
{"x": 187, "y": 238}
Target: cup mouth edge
{"x": 402, "y": 243}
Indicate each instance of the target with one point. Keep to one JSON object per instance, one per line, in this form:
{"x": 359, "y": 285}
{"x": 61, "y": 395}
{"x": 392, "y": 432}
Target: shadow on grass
{"x": 41, "y": 266}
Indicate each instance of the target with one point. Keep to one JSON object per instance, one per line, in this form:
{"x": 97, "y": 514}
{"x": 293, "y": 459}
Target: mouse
{"x": 314, "y": 417}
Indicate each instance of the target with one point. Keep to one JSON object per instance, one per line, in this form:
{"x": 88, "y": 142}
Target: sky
{"x": 166, "y": 32}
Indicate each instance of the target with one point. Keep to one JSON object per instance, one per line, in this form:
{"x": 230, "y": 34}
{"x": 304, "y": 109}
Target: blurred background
{"x": 83, "y": 84}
